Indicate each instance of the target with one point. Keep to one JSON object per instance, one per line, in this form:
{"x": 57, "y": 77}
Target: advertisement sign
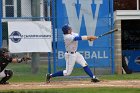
{"x": 35, "y": 36}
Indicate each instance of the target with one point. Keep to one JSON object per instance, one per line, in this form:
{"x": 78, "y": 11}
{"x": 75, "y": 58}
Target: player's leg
{"x": 80, "y": 60}
{"x": 6, "y": 75}
{"x": 70, "y": 61}
{"x": 88, "y": 71}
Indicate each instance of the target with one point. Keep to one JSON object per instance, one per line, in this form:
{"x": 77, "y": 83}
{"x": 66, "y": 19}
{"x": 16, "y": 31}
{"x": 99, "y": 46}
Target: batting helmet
{"x": 65, "y": 28}
{"x": 3, "y": 50}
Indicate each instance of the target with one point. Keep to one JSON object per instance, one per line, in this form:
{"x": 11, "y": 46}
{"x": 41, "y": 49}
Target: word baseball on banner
{"x": 30, "y": 36}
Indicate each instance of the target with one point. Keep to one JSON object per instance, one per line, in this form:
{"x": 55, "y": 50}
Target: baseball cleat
{"x": 48, "y": 77}
{"x": 95, "y": 80}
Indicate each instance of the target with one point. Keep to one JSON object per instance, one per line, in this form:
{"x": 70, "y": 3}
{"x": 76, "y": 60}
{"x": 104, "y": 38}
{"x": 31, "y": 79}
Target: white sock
{"x": 94, "y": 77}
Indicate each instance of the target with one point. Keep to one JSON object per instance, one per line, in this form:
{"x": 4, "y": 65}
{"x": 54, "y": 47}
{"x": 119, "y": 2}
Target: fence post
{"x": 49, "y": 53}
{"x": 54, "y": 42}
{"x": 35, "y": 56}
{"x": 112, "y": 26}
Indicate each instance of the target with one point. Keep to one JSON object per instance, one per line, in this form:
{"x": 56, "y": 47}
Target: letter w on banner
{"x": 30, "y": 36}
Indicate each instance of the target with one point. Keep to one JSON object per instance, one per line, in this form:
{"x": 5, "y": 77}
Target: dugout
{"x": 127, "y": 41}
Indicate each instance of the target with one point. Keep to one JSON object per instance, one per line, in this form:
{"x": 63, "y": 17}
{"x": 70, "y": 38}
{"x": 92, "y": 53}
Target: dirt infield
{"x": 72, "y": 84}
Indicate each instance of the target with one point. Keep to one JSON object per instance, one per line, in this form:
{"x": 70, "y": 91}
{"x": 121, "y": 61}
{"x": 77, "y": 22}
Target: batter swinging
{"x": 72, "y": 56}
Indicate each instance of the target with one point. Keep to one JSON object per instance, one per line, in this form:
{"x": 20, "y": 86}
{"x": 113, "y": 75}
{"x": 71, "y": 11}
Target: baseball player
{"x": 5, "y": 59}
{"x": 72, "y": 56}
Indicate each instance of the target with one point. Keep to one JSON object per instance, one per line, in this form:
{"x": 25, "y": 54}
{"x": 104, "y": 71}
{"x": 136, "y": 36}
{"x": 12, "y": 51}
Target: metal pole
{"x": 48, "y": 2}
{"x": 54, "y": 42}
{"x": 49, "y": 54}
{"x": 112, "y": 41}
{"x": 35, "y": 56}
{"x": 49, "y": 62}
{"x": 137, "y": 4}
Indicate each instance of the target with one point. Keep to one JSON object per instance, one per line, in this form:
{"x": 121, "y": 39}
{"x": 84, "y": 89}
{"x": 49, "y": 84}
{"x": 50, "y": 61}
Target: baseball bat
{"x": 107, "y": 33}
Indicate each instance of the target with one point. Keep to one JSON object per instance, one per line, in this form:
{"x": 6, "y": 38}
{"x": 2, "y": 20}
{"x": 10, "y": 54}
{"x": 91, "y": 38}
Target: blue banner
{"x": 86, "y": 17}
{"x": 133, "y": 57}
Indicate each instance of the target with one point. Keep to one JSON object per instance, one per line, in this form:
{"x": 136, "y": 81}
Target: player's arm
{"x": 13, "y": 59}
{"x": 19, "y": 60}
{"x": 85, "y": 38}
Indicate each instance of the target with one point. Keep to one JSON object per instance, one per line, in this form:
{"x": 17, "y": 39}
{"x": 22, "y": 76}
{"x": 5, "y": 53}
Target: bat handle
{"x": 98, "y": 37}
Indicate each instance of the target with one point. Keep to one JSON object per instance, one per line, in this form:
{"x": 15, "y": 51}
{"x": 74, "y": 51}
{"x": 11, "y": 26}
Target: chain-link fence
{"x": 27, "y": 10}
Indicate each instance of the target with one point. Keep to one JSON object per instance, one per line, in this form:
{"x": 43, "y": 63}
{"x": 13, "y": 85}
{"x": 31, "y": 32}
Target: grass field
{"x": 78, "y": 90}
{"x": 22, "y": 73}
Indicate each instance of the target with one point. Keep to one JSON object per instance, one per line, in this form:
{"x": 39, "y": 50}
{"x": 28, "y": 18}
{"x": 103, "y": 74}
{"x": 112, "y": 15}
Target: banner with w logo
{"x": 87, "y": 17}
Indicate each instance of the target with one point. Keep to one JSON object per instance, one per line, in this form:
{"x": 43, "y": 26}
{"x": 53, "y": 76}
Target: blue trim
{"x": 0, "y": 23}
{"x": 77, "y": 38}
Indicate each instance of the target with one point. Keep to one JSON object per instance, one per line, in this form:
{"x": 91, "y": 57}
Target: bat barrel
{"x": 107, "y": 33}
